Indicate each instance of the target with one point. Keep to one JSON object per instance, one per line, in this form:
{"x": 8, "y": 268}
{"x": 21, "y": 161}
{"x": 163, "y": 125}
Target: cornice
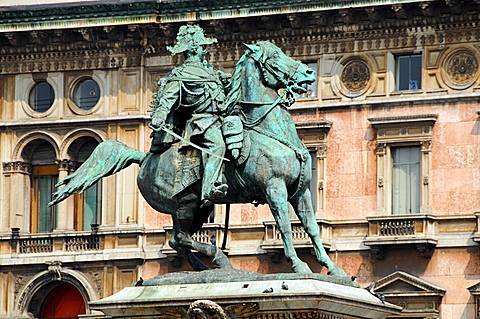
{"x": 377, "y": 121}
{"x": 74, "y": 122}
{"x": 101, "y": 14}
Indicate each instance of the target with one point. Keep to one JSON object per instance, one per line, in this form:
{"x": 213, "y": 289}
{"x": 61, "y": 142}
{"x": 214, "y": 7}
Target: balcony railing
{"x": 48, "y": 243}
{"x": 82, "y": 243}
{"x": 418, "y": 230}
{"x": 396, "y": 227}
{"x": 35, "y": 245}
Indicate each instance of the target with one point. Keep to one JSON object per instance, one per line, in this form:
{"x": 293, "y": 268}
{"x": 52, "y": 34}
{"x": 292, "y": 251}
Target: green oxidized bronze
{"x": 191, "y": 102}
{"x": 268, "y": 162}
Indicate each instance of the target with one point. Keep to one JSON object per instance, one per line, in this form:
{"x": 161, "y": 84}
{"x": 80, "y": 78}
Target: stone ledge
{"x": 285, "y": 293}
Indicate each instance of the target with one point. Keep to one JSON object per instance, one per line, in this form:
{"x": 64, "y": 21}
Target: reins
{"x": 289, "y": 101}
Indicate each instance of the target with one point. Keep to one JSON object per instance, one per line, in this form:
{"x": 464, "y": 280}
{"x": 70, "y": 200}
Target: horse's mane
{"x": 236, "y": 85}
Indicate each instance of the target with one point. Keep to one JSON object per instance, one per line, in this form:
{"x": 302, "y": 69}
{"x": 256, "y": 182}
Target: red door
{"x": 65, "y": 301}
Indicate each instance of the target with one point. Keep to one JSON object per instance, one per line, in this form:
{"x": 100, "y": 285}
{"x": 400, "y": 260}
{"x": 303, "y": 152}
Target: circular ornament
{"x": 462, "y": 68}
{"x": 355, "y": 76}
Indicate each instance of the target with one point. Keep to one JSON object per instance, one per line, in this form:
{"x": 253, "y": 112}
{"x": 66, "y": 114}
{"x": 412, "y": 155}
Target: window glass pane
{"x": 403, "y": 69}
{"x": 45, "y": 186}
{"x": 415, "y": 71}
{"x": 86, "y": 94}
{"x": 406, "y": 180}
{"x": 41, "y": 97}
{"x": 90, "y": 199}
{"x": 409, "y": 72}
{"x": 88, "y": 204}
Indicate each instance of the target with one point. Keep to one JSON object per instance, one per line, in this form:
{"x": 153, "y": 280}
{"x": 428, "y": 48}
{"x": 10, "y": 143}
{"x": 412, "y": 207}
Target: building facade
{"x": 392, "y": 124}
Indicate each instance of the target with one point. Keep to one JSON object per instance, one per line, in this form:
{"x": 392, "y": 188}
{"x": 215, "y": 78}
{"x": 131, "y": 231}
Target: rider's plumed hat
{"x": 189, "y": 37}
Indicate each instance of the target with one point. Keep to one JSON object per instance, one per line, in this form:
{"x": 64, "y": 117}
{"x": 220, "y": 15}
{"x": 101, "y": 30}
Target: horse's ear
{"x": 255, "y": 50}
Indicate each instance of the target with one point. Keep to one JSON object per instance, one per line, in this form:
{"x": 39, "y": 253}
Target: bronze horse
{"x": 276, "y": 169}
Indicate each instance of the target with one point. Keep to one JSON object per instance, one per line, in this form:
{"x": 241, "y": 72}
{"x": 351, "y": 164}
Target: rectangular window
{"x": 406, "y": 180}
{"x": 408, "y": 72}
{"x": 87, "y": 207}
{"x": 43, "y": 185}
{"x": 311, "y": 88}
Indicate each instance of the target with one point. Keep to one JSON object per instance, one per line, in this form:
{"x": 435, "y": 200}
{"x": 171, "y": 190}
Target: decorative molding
{"x": 426, "y": 179}
{"x": 380, "y": 182}
{"x": 426, "y": 147}
{"x": 16, "y": 167}
{"x": 97, "y": 278}
{"x": 377, "y": 121}
{"x": 461, "y": 68}
{"x": 321, "y": 185}
{"x": 381, "y": 149}
{"x": 419, "y": 284}
{"x": 65, "y": 165}
{"x": 355, "y": 76}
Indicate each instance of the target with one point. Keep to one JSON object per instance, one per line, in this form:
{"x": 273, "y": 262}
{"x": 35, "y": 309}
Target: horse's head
{"x": 279, "y": 70}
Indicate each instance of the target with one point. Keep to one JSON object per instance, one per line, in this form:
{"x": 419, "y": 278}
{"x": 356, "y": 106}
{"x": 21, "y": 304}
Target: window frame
{"x": 77, "y": 87}
{"x": 314, "y": 136}
{"x": 73, "y": 80}
{"x": 402, "y": 131}
{"x": 39, "y": 171}
{"x": 397, "y": 74}
{"x": 405, "y": 190}
{"x": 34, "y": 90}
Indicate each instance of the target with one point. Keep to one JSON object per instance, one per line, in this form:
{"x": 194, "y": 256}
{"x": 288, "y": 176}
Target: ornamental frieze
{"x": 462, "y": 68}
{"x": 355, "y": 76}
{"x": 16, "y": 167}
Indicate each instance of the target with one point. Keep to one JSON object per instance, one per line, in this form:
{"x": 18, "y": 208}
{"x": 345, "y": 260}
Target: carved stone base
{"x": 277, "y": 296}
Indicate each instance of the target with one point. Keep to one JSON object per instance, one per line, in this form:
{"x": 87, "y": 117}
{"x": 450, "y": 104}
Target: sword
{"x": 163, "y": 128}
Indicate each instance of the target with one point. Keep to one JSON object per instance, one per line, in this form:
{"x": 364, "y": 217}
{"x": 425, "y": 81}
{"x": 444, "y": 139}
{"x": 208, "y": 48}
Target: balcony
{"x": 50, "y": 243}
{"x": 418, "y": 230}
{"x": 273, "y": 239}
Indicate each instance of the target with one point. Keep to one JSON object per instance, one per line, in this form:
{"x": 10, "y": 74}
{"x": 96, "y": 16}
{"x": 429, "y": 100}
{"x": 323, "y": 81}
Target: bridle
{"x": 287, "y": 78}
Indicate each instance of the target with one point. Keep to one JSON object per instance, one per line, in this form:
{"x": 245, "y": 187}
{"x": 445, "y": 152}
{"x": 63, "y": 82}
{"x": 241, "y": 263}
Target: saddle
{"x": 189, "y": 168}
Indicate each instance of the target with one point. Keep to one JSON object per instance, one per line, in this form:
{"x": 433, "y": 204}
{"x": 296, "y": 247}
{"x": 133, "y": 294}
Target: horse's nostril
{"x": 310, "y": 72}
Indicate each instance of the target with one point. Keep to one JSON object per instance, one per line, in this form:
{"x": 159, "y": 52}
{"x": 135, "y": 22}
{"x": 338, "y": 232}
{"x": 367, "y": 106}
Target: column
{"x": 64, "y": 219}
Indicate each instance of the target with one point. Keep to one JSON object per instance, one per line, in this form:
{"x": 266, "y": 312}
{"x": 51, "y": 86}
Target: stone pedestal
{"x": 245, "y": 295}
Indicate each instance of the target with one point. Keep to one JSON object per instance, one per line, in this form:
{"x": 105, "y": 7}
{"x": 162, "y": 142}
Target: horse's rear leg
{"x": 184, "y": 217}
{"x": 304, "y": 210}
{"x": 277, "y": 200}
{"x": 182, "y": 220}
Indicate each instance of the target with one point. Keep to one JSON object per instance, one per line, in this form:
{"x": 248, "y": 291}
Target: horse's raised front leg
{"x": 277, "y": 200}
{"x": 304, "y": 209}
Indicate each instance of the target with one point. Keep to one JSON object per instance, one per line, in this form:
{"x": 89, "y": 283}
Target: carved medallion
{"x": 355, "y": 76}
{"x": 462, "y": 68}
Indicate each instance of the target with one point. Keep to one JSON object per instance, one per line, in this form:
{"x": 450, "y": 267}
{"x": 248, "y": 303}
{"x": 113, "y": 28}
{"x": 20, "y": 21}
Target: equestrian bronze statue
{"x": 241, "y": 125}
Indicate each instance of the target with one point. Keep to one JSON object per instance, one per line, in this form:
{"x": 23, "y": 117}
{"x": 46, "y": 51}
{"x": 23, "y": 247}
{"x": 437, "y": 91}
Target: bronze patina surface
{"x": 268, "y": 162}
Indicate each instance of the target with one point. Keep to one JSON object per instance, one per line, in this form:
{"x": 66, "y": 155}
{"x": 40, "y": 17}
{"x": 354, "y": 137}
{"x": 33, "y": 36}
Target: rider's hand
{"x": 157, "y": 122}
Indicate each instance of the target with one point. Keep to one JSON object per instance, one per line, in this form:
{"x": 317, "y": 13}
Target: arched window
{"x": 65, "y": 301}
{"x": 41, "y": 156}
{"x": 88, "y": 204}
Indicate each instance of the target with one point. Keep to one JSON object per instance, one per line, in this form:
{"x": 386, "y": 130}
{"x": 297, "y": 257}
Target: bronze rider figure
{"x": 190, "y": 102}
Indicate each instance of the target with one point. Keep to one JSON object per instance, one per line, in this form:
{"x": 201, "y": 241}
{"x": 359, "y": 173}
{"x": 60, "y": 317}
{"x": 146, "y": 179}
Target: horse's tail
{"x": 107, "y": 159}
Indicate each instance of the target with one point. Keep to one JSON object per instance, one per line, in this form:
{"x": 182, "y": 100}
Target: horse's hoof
{"x": 336, "y": 270}
{"x": 301, "y": 267}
